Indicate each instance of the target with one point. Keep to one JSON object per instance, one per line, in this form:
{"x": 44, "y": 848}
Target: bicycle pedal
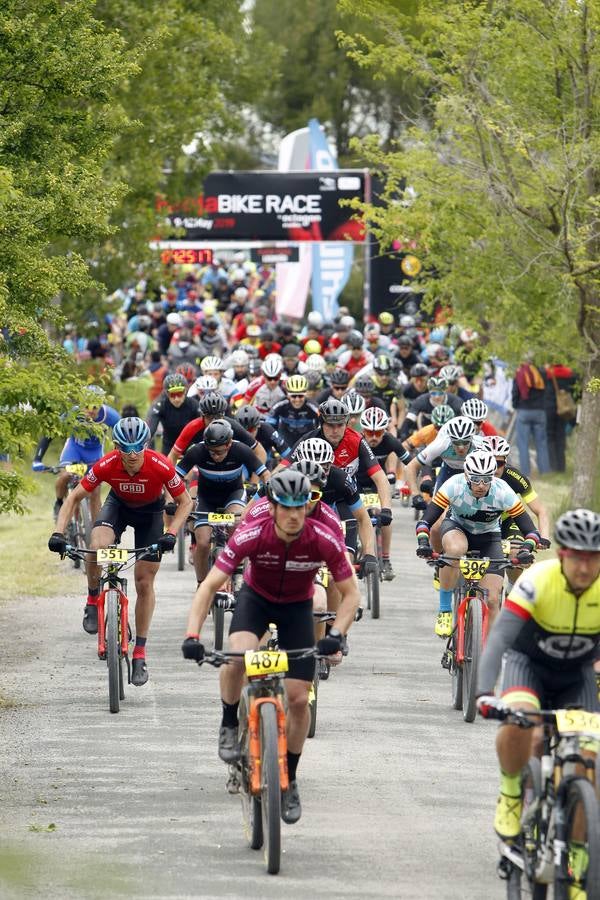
{"x": 447, "y": 660}
{"x": 233, "y": 782}
{"x": 102, "y": 656}
{"x": 504, "y": 868}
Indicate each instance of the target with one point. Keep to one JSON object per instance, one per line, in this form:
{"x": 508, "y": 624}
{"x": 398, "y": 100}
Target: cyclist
{"x": 406, "y": 354}
{"x": 215, "y": 366}
{"x": 454, "y": 441}
{"x": 428, "y": 433}
{"x": 338, "y": 385}
{"x": 221, "y": 462}
{"x": 421, "y": 408}
{"x": 546, "y": 638}
{"x": 354, "y": 358}
{"x": 137, "y": 478}
{"x": 173, "y": 410}
{"x": 266, "y": 390}
{"x": 212, "y": 406}
{"x": 477, "y": 410}
{"x": 365, "y": 386}
{"x": 250, "y": 420}
{"x": 293, "y": 417}
{"x": 355, "y": 404}
{"x": 285, "y": 552}
{"x": 474, "y": 501}
{"x": 417, "y": 385}
{"x": 453, "y": 375}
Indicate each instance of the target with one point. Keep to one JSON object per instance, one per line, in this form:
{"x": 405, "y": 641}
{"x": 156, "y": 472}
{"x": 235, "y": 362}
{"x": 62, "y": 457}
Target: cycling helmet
{"x": 98, "y": 392}
{"x": 386, "y": 318}
{"x": 333, "y": 411}
{"x": 296, "y": 384}
{"x": 405, "y": 341}
{"x": 239, "y": 358}
{"x": 248, "y": 417}
{"x": 312, "y": 470}
{"x": 347, "y": 323}
{"x": 175, "y": 382}
{"x": 217, "y": 433}
{"x": 355, "y": 340}
{"x": 289, "y": 488}
{"x": 436, "y": 383}
{"x": 188, "y": 371}
{"x": 441, "y": 414}
{"x": 382, "y": 364}
{"x": 374, "y": 419}
{"x": 497, "y": 445}
{"x": 290, "y": 351}
{"x": 130, "y": 434}
{"x": 460, "y": 428}
{"x": 272, "y": 365}
{"x": 205, "y": 383}
{"x": 315, "y": 319}
{"x": 316, "y": 362}
{"x": 312, "y": 347}
{"x": 315, "y": 450}
{"x": 354, "y": 402}
{"x": 579, "y": 529}
{"x": 213, "y": 404}
{"x": 340, "y": 377}
{"x": 253, "y": 331}
{"x": 480, "y": 462}
{"x": 174, "y": 318}
{"x": 314, "y": 379}
{"x": 475, "y": 409}
{"x": 372, "y": 328}
{"x": 212, "y": 364}
{"x": 451, "y": 373}
{"x": 407, "y": 322}
{"x": 364, "y": 384}
{"x": 419, "y": 370}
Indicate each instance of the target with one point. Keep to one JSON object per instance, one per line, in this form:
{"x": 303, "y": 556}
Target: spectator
{"x": 558, "y": 378}
{"x": 528, "y": 402}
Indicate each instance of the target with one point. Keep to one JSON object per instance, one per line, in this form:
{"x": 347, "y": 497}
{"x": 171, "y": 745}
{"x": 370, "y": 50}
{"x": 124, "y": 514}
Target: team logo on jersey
{"x": 566, "y": 646}
{"x": 129, "y": 487}
{"x": 91, "y": 477}
{"x": 174, "y": 482}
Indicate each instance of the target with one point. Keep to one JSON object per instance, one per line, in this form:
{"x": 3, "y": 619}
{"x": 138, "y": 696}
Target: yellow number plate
{"x": 111, "y": 554}
{"x": 265, "y": 662}
{"x": 77, "y": 469}
{"x": 221, "y": 518}
{"x": 370, "y": 499}
{"x": 578, "y": 721}
{"x": 506, "y": 547}
{"x": 323, "y": 576}
{"x": 474, "y": 569}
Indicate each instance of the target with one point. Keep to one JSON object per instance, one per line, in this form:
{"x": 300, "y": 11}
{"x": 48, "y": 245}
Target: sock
{"x": 139, "y": 651}
{"x": 92, "y": 599}
{"x": 292, "y": 762}
{"x": 385, "y": 556}
{"x": 230, "y": 714}
{"x": 445, "y": 600}
{"x": 510, "y": 785}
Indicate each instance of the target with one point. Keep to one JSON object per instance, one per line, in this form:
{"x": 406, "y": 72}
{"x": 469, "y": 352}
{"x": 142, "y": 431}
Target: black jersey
{"x": 389, "y": 444}
{"x": 193, "y": 431}
{"x": 523, "y": 487}
{"x": 340, "y": 490}
{"x": 292, "y": 424}
{"x": 387, "y": 393}
{"x": 268, "y": 438}
{"x": 218, "y": 479}
{"x": 422, "y": 407}
{"x": 172, "y": 418}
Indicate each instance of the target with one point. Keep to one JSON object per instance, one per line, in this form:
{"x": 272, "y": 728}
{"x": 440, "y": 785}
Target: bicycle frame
{"x": 111, "y": 581}
{"x": 472, "y": 593}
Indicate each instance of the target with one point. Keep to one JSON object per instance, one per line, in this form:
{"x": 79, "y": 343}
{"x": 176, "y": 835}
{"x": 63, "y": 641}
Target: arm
{"x": 153, "y": 418}
{"x": 184, "y": 507}
{"x": 410, "y": 473}
{"x": 541, "y": 513}
{"x": 380, "y": 481}
{"x": 501, "y": 638}
{"x": 203, "y": 599}
{"x": 66, "y": 510}
{"x": 350, "y": 595}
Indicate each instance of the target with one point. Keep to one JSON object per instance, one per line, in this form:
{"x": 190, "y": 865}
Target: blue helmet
{"x": 131, "y": 434}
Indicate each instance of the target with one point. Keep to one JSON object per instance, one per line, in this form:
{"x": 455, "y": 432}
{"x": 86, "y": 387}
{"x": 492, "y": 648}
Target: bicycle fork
{"x": 254, "y": 754}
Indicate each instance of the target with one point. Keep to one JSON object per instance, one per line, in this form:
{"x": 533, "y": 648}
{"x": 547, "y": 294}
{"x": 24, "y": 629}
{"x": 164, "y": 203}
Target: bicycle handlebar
{"x": 519, "y": 717}
{"x": 80, "y": 553}
{"x": 444, "y": 559}
{"x": 219, "y": 658}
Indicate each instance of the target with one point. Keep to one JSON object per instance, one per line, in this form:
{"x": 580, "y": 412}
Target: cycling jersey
{"x": 352, "y": 453}
{"x": 422, "y": 407}
{"x": 223, "y": 477}
{"x": 442, "y": 448}
{"x": 340, "y": 492}
{"x": 320, "y": 512}
{"x": 388, "y": 444}
{"x": 269, "y": 439}
{"x": 284, "y": 573}
{"x": 261, "y": 396}
{"x": 145, "y": 487}
{"x": 520, "y": 483}
{"x": 193, "y": 431}
{"x": 173, "y": 419}
{"x": 476, "y": 515}
{"x": 291, "y": 424}
{"x": 423, "y": 436}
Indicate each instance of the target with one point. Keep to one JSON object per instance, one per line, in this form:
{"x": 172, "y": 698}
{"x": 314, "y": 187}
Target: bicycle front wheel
{"x": 456, "y": 671}
{"x": 529, "y": 843}
{"x": 473, "y": 649}
{"x": 86, "y": 521}
{"x": 181, "y": 549}
{"x": 113, "y": 650}
{"x": 372, "y": 580}
{"x": 579, "y": 866}
{"x": 270, "y": 787}
{"x": 313, "y": 696}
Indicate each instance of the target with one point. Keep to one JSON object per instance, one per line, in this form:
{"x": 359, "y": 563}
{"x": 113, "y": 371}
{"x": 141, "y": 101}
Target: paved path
{"x": 397, "y": 790}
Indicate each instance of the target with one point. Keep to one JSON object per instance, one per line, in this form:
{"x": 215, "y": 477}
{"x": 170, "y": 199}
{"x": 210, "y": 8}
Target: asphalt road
{"x": 397, "y": 791}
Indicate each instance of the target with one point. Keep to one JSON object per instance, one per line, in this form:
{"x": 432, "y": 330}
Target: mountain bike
{"x": 559, "y": 841}
{"x": 470, "y": 618}
{"x": 114, "y": 633}
{"x": 221, "y": 524}
{"x": 79, "y": 528}
{"x": 261, "y": 773}
{"x": 372, "y": 504}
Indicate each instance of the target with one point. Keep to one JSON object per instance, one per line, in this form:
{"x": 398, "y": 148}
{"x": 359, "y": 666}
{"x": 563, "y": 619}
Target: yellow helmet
{"x": 386, "y": 318}
{"x": 296, "y": 384}
{"x": 312, "y": 347}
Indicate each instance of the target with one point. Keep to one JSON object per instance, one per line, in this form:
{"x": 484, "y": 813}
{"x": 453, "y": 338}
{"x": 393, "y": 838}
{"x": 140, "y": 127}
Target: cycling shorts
{"x": 146, "y": 521}
{"x": 444, "y": 473}
{"x": 206, "y": 505}
{"x": 524, "y": 680}
{"x": 294, "y": 622}
{"x": 73, "y": 452}
{"x": 489, "y": 544}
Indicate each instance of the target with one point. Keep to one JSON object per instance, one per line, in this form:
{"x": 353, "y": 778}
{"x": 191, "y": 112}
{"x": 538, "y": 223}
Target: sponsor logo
{"x": 174, "y": 482}
{"x": 128, "y": 487}
{"x": 298, "y": 566}
{"x": 227, "y": 551}
{"x": 243, "y": 537}
{"x": 91, "y": 477}
{"x": 562, "y": 646}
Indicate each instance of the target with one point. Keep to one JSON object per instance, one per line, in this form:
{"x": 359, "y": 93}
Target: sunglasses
{"x": 267, "y": 378}
{"x": 461, "y": 443}
{"x": 130, "y": 449}
{"x": 315, "y": 495}
{"x": 336, "y": 421}
{"x": 176, "y": 392}
{"x": 500, "y": 462}
{"x": 297, "y": 396}
{"x": 436, "y": 393}
{"x": 380, "y": 431}
{"x": 480, "y": 479}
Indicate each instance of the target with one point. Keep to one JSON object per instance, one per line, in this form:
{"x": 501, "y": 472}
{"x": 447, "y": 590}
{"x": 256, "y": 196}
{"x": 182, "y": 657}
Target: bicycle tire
{"x": 473, "y": 649}
{"x": 270, "y": 787}
{"x": 72, "y": 537}
{"x": 86, "y": 520}
{"x": 219, "y": 626}
{"x": 456, "y": 672}
{"x": 313, "y": 696}
{"x": 251, "y": 809}
{"x": 373, "y": 589}
{"x": 581, "y": 803}
{"x": 113, "y": 655}
{"x": 181, "y": 549}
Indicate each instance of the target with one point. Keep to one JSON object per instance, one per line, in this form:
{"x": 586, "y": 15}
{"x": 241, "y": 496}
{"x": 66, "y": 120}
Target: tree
{"x": 506, "y": 175}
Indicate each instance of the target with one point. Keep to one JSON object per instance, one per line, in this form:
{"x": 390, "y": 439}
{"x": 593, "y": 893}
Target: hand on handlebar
{"x": 331, "y": 643}
{"x": 418, "y": 502}
{"x": 193, "y": 649}
{"x": 37, "y": 466}
{"x": 424, "y": 550}
{"x": 525, "y": 557}
{"x": 57, "y": 543}
{"x": 490, "y": 707}
{"x": 368, "y": 564}
{"x": 166, "y": 542}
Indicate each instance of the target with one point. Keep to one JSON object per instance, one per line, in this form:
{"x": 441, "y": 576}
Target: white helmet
{"x": 174, "y": 319}
{"x": 348, "y": 322}
{"x": 238, "y": 275}
{"x": 239, "y": 358}
{"x": 316, "y": 450}
{"x": 354, "y": 402}
{"x": 460, "y": 428}
{"x": 272, "y": 365}
{"x": 315, "y": 319}
{"x": 202, "y": 384}
{"x": 480, "y": 462}
{"x": 316, "y": 362}
{"x": 374, "y": 419}
{"x": 475, "y": 409}
{"x": 496, "y": 444}
{"x": 372, "y": 328}
{"x": 212, "y": 364}
{"x": 241, "y": 294}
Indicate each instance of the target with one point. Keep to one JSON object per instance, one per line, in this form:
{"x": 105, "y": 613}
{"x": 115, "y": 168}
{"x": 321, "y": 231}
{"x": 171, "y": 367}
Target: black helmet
{"x": 419, "y": 370}
{"x": 364, "y": 384}
{"x": 355, "y": 339}
{"x": 405, "y": 341}
{"x": 175, "y": 382}
{"x": 382, "y": 364}
{"x": 289, "y": 488}
{"x": 334, "y": 411}
{"x": 213, "y": 404}
{"x": 217, "y": 433}
{"x": 312, "y": 470}
{"x": 248, "y": 416}
{"x": 290, "y": 351}
{"x": 340, "y": 377}
{"x": 579, "y": 529}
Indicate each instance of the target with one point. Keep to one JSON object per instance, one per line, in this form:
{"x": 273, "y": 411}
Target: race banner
{"x": 332, "y": 262}
{"x": 292, "y": 280}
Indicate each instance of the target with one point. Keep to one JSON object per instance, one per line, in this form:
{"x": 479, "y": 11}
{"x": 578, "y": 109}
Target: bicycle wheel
{"x": 251, "y": 809}
{"x": 86, "y": 521}
{"x": 373, "y": 593}
{"x": 270, "y": 787}
{"x": 456, "y": 672}
{"x": 580, "y": 864}
{"x": 219, "y": 624}
{"x": 72, "y": 536}
{"x": 473, "y": 648}
{"x": 181, "y": 549}
{"x": 113, "y": 649}
{"x": 313, "y": 696}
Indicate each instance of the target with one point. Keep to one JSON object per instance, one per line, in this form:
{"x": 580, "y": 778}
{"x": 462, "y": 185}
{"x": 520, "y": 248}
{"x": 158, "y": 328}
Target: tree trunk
{"x": 587, "y": 455}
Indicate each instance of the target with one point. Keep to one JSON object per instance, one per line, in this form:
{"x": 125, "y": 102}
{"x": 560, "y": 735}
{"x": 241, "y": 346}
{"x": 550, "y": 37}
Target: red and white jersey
{"x": 145, "y": 487}
{"x": 319, "y": 513}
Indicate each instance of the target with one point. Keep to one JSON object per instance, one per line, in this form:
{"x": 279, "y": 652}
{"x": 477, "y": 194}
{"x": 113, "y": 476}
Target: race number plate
{"x": 265, "y": 662}
{"x": 370, "y": 499}
{"x": 112, "y": 554}
{"x": 221, "y": 518}
{"x": 322, "y": 576}
{"x": 578, "y": 721}
{"x": 474, "y": 569}
{"x": 76, "y": 469}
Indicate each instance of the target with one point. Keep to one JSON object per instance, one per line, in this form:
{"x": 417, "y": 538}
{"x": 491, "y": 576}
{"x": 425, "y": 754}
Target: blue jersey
{"x": 477, "y": 515}
{"x": 106, "y": 415}
{"x": 441, "y": 448}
